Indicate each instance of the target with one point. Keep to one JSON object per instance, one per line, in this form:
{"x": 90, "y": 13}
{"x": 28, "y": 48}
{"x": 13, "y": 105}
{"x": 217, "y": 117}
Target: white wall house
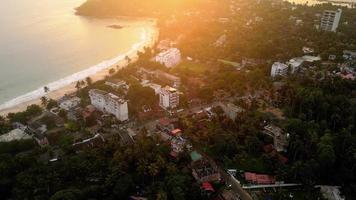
{"x": 69, "y": 103}
{"x": 109, "y": 103}
{"x": 330, "y": 20}
{"x": 279, "y": 69}
{"x": 169, "y": 58}
{"x": 168, "y": 97}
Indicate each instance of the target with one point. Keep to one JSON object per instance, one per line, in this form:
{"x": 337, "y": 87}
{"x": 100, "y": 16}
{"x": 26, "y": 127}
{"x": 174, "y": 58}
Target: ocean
{"x": 43, "y": 43}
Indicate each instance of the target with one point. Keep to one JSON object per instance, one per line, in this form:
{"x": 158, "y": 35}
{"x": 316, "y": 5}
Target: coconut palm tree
{"x": 46, "y": 89}
{"x": 44, "y": 101}
{"x": 88, "y": 80}
{"x": 128, "y": 59}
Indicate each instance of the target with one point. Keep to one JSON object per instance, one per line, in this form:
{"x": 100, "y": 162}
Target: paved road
{"x": 235, "y": 186}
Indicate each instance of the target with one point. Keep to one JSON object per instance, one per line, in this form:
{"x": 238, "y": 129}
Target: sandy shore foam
{"x": 67, "y": 85}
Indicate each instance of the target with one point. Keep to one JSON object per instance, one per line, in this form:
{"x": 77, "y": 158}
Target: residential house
{"x": 279, "y": 69}
{"x": 231, "y": 110}
{"x": 280, "y": 138}
{"x": 203, "y": 169}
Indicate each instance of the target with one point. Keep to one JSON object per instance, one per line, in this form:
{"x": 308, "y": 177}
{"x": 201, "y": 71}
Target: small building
{"x": 117, "y": 84}
{"x": 295, "y": 64}
{"x": 169, "y": 58}
{"x": 279, "y": 69}
{"x": 170, "y": 79}
{"x": 349, "y": 55}
{"x": 330, "y": 192}
{"x": 68, "y": 103}
{"x": 203, "y": 169}
{"x": 280, "y": 138}
{"x": 307, "y": 50}
{"x": 165, "y": 124}
{"x": 259, "y": 178}
{"x": 109, "y": 103}
{"x": 16, "y": 134}
{"x": 231, "y": 110}
{"x": 168, "y": 98}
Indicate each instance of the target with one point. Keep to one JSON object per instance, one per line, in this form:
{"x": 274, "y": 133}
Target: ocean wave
{"x": 38, "y": 93}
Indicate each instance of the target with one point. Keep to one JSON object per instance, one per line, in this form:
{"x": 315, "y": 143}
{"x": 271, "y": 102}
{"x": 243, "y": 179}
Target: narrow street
{"x": 235, "y": 186}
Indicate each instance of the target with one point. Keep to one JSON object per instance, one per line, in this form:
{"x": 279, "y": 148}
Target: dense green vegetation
{"x": 111, "y": 172}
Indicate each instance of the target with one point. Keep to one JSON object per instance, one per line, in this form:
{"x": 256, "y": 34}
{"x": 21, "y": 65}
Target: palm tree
{"x": 111, "y": 71}
{"x": 44, "y": 101}
{"x": 77, "y": 86}
{"x": 88, "y": 80}
{"x": 128, "y": 59}
{"x": 46, "y": 89}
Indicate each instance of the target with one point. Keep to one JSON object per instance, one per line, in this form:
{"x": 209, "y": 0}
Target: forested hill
{"x": 145, "y": 8}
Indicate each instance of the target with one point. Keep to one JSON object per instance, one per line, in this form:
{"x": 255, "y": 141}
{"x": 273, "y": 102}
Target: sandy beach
{"x": 150, "y": 40}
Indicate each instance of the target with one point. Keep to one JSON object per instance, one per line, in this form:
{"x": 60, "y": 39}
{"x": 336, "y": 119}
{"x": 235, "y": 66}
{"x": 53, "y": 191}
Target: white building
{"x": 295, "y": 63}
{"x": 16, "y": 134}
{"x": 169, "y": 58}
{"x": 279, "y": 69}
{"x": 69, "y": 103}
{"x": 231, "y": 110}
{"x": 109, "y": 103}
{"x": 168, "y": 97}
{"x": 330, "y": 20}
{"x": 117, "y": 84}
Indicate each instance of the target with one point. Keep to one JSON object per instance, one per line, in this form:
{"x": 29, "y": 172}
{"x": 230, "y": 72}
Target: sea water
{"x": 43, "y": 43}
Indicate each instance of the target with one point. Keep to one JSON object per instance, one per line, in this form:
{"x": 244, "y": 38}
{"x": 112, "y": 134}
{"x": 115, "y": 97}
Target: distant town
{"x": 254, "y": 100}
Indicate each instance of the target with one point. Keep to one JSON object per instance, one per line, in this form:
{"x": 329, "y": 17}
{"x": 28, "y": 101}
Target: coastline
{"x": 67, "y": 84}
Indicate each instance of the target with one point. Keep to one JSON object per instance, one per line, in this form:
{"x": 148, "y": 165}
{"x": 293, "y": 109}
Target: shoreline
{"x": 67, "y": 84}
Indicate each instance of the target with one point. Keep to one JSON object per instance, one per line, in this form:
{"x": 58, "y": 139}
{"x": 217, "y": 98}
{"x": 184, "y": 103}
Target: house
{"x": 164, "y": 44}
{"x": 93, "y": 142}
{"x": 117, "y": 84}
{"x": 153, "y": 86}
{"x": 177, "y": 145}
{"x": 69, "y": 102}
{"x": 169, "y": 58}
{"x": 295, "y": 64}
{"x": 259, "y": 178}
{"x": 168, "y": 98}
{"x": 279, "y": 69}
{"x": 280, "y": 139}
{"x": 330, "y": 192}
{"x": 231, "y": 110}
{"x": 307, "y": 50}
{"x": 203, "y": 169}
{"x": 349, "y": 55}
{"x": 167, "y": 78}
{"x": 88, "y": 112}
{"x": 109, "y": 103}
{"x": 165, "y": 124}
{"x": 176, "y": 132}
{"x": 16, "y": 134}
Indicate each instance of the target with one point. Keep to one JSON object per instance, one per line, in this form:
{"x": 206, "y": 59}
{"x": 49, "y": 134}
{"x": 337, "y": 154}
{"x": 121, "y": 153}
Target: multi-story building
{"x": 168, "y": 97}
{"x": 330, "y": 20}
{"x": 109, "y": 103}
{"x": 169, "y": 58}
{"x": 280, "y": 69}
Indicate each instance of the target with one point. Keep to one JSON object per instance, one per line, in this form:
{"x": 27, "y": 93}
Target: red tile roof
{"x": 208, "y": 187}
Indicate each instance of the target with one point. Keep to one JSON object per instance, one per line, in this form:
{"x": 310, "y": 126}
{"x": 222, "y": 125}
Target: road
{"x": 235, "y": 186}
